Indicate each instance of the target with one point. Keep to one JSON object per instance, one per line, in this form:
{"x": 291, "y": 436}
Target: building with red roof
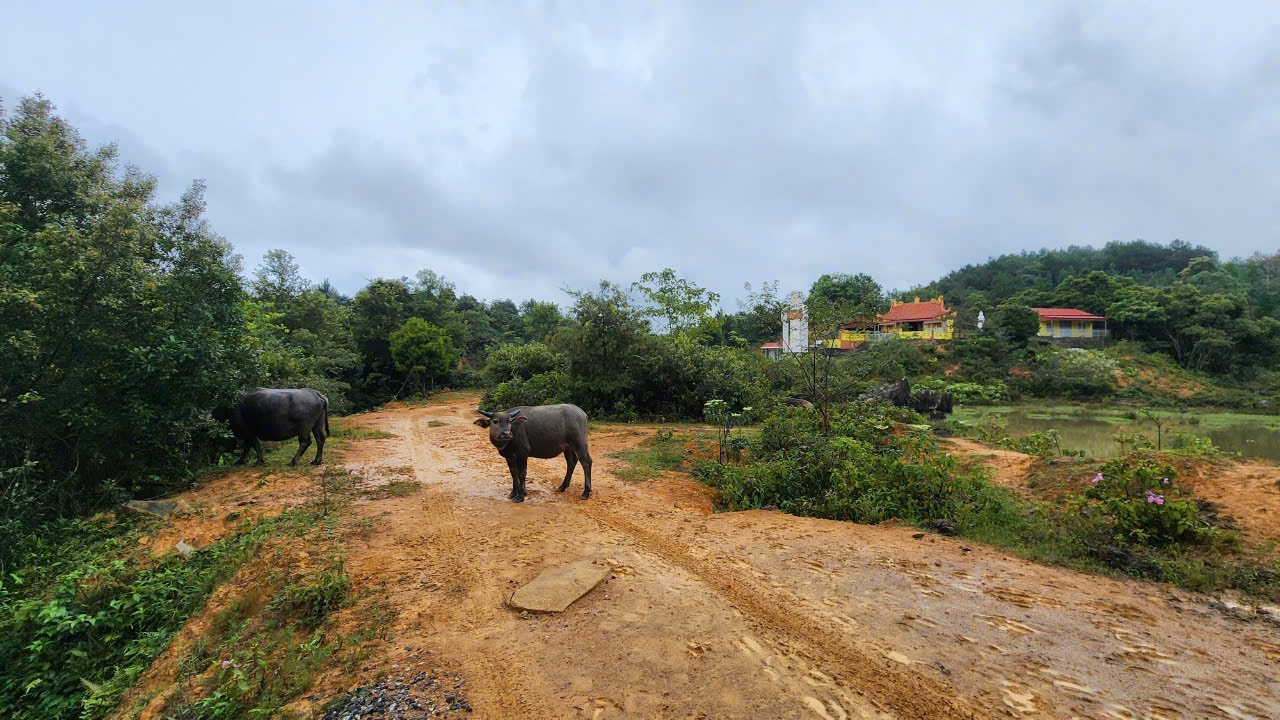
{"x": 925, "y": 320}
{"x": 1063, "y": 323}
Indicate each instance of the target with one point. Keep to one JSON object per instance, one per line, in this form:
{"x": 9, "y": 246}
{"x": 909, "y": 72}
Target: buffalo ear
{"x": 482, "y": 422}
{"x": 519, "y": 419}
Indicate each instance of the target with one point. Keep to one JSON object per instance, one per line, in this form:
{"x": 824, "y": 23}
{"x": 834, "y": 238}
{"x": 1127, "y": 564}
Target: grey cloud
{"x": 518, "y": 152}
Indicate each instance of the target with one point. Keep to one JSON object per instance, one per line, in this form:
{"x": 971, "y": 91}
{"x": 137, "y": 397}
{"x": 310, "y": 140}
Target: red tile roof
{"x": 915, "y": 312}
{"x": 776, "y": 344}
{"x": 1067, "y": 314}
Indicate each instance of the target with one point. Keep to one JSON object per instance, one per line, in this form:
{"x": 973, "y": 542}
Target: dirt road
{"x": 760, "y": 614}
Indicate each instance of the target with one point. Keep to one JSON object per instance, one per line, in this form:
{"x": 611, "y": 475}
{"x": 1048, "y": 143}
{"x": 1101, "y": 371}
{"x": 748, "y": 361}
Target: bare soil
{"x": 749, "y": 614}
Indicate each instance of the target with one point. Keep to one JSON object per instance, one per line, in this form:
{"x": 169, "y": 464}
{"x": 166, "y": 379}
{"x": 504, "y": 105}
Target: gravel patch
{"x": 402, "y": 697}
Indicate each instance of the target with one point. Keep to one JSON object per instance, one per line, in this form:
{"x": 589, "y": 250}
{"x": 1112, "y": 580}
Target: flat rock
{"x": 158, "y": 508}
{"x": 556, "y": 588}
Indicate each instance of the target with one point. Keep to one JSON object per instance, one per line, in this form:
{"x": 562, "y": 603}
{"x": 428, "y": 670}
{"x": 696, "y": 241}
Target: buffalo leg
{"x": 514, "y": 467}
{"x": 571, "y": 459}
{"x": 584, "y": 456}
{"x": 524, "y": 476}
{"x": 257, "y": 448}
{"x": 319, "y": 435}
{"x": 244, "y": 455}
{"x": 304, "y": 442}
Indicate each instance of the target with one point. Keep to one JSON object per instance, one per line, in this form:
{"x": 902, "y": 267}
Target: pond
{"x": 1093, "y": 429}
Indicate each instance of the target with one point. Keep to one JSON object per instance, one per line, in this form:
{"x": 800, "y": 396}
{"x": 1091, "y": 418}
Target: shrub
{"x": 1070, "y": 373}
{"x": 542, "y": 389}
{"x": 520, "y": 362}
{"x": 871, "y": 467}
{"x": 1138, "y": 496}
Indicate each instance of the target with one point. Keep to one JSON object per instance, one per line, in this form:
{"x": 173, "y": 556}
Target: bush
{"x": 1070, "y": 373}
{"x": 967, "y": 393}
{"x": 1140, "y": 500}
{"x": 541, "y": 389}
{"x": 520, "y": 362}
{"x": 871, "y": 468}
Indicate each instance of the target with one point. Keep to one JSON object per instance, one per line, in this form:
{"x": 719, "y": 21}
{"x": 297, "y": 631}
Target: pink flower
{"x": 1151, "y": 498}
{"x": 226, "y": 663}
{"x": 1160, "y": 500}
{"x": 1096, "y": 478}
{"x": 1166, "y": 481}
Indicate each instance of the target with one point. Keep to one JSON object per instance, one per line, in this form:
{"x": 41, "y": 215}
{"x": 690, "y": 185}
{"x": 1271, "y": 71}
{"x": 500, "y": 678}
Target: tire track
{"x": 906, "y": 694}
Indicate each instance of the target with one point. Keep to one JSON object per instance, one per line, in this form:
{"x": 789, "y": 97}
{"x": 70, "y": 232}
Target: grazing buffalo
{"x": 278, "y": 414}
{"x": 544, "y": 431}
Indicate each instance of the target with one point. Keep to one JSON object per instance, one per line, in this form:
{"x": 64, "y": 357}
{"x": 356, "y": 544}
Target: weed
{"x": 395, "y": 488}
{"x": 655, "y": 455}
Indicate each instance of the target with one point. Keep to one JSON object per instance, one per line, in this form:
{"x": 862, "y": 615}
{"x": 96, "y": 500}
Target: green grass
{"x": 395, "y": 488}
{"x": 662, "y": 452}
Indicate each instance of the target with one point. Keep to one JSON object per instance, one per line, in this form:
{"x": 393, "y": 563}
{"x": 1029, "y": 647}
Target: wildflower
{"x": 1151, "y": 498}
{"x": 1097, "y": 478}
{"x": 1165, "y": 481}
{"x": 1159, "y": 499}
{"x": 226, "y": 663}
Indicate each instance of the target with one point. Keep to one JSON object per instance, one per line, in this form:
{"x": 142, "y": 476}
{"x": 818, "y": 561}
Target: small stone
{"x": 917, "y": 536}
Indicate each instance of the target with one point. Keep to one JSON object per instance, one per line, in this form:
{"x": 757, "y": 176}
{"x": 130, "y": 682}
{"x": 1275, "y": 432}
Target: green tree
{"x": 423, "y": 351}
{"x": 856, "y": 296}
{"x": 680, "y": 304}
{"x": 761, "y": 313}
{"x": 541, "y": 319}
{"x": 1017, "y": 324}
{"x": 604, "y": 344}
{"x": 121, "y": 325}
{"x": 278, "y": 279}
{"x": 377, "y": 311}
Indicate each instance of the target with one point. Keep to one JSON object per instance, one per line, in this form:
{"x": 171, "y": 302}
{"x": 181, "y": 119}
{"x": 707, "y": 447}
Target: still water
{"x": 1093, "y": 430}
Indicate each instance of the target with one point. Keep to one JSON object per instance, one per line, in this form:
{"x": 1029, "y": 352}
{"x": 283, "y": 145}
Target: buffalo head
{"x": 499, "y": 424}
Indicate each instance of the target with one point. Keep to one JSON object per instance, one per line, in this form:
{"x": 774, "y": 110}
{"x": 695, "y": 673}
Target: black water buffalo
{"x": 544, "y": 431}
{"x": 278, "y": 414}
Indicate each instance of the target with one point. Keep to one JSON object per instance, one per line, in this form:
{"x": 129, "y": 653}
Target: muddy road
{"x": 738, "y": 615}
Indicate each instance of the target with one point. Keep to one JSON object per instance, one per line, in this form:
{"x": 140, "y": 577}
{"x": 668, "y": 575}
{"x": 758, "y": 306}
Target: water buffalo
{"x": 278, "y": 414}
{"x": 543, "y": 431}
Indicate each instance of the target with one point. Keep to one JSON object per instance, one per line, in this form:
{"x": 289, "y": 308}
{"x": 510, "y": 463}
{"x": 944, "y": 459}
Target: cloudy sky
{"x": 517, "y": 147}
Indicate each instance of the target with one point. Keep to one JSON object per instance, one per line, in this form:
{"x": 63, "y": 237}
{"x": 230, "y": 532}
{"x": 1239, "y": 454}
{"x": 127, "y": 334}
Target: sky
{"x": 522, "y": 147}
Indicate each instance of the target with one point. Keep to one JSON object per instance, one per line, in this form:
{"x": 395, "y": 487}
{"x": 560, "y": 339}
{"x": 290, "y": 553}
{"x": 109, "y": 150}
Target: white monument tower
{"x": 795, "y": 326}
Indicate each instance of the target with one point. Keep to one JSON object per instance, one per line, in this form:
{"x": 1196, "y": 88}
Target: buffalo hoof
{"x": 563, "y": 487}
{"x": 511, "y": 495}
{"x": 241, "y": 461}
{"x": 260, "y": 462}
{"x": 586, "y": 495}
{"x": 317, "y": 461}
{"x": 518, "y": 498}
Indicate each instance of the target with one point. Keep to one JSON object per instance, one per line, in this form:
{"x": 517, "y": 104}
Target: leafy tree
{"x": 761, "y": 313}
{"x": 680, "y": 304}
{"x": 377, "y": 311}
{"x": 540, "y": 319}
{"x": 422, "y": 350}
{"x": 121, "y": 325}
{"x": 605, "y": 340}
{"x": 858, "y": 296}
{"x": 1017, "y": 324}
{"x": 278, "y": 279}
{"x": 504, "y": 318}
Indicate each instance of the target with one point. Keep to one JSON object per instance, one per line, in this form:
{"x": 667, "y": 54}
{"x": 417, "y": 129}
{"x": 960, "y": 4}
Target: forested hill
{"x": 1003, "y": 277}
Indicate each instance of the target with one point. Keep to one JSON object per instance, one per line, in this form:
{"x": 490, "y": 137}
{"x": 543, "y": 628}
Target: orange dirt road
{"x": 760, "y": 614}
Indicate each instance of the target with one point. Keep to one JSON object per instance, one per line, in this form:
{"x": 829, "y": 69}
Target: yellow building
{"x": 915, "y": 320}
{"x": 1070, "y": 323}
